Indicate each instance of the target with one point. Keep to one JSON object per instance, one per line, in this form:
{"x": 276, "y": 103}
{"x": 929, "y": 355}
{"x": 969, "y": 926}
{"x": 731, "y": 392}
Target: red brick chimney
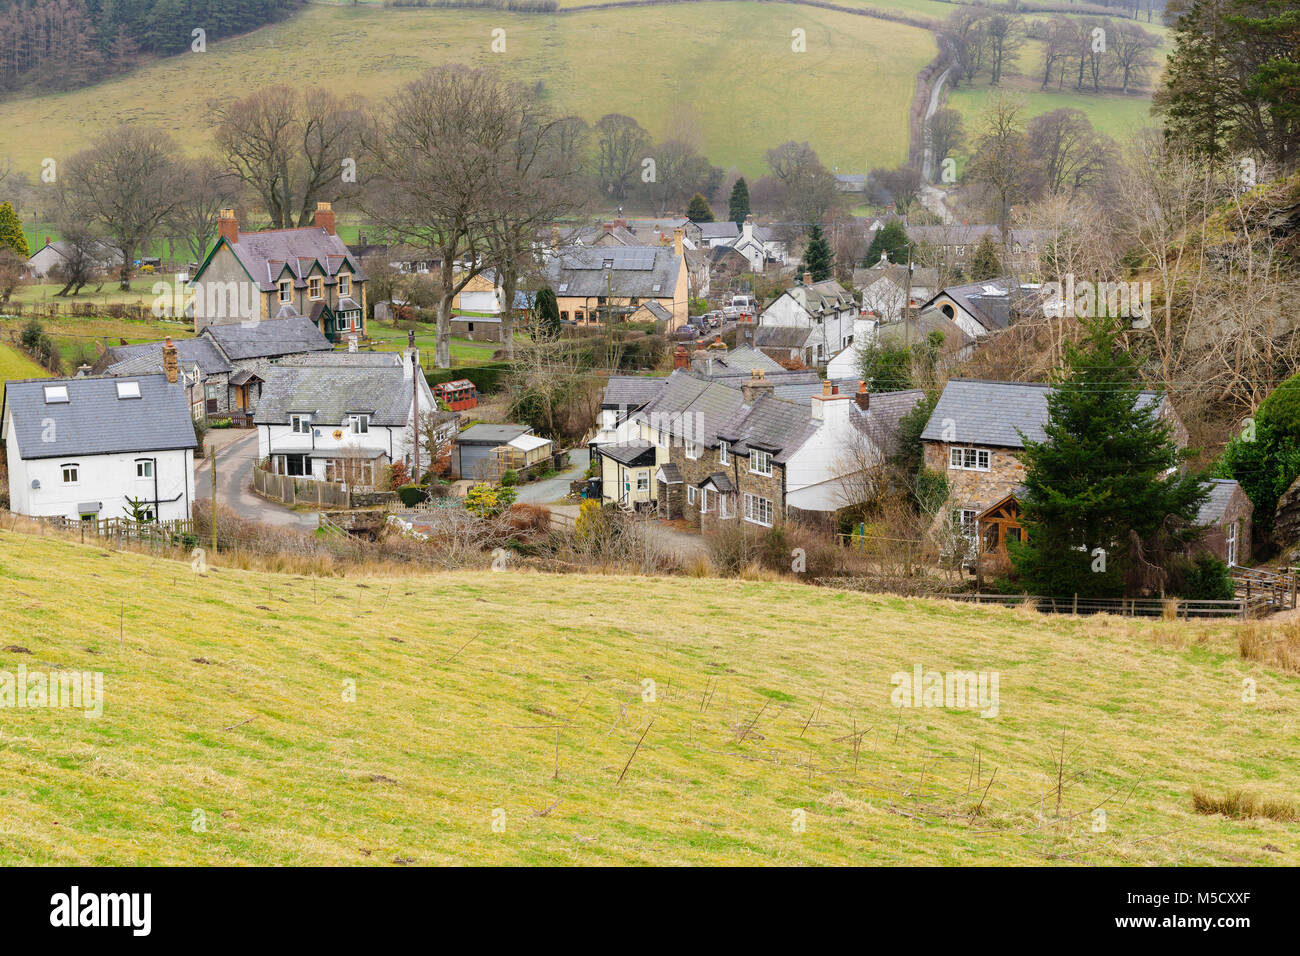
{"x": 678, "y": 234}
{"x": 863, "y": 397}
{"x": 47, "y": 240}
{"x": 228, "y": 226}
{"x": 170, "y": 366}
{"x": 609, "y": 227}
{"x": 681, "y": 358}
{"x": 324, "y": 217}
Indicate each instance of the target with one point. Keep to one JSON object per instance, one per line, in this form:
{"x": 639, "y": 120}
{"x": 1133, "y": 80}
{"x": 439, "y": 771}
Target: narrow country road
{"x": 236, "y": 453}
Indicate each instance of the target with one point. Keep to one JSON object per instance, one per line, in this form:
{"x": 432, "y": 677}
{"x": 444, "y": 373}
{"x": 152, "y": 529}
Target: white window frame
{"x": 286, "y": 291}
{"x": 967, "y": 527}
{"x": 643, "y": 480}
{"x": 73, "y": 467}
{"x": 764, "y": 458}
{"x": 724, "y": 453}
{"x": 755, "y": 505}
{"x": 143, "y": 469}
{"x": 300, "y": 424}
{"x": 705, "y": 507}
{"x": 692, "y": 494}
{"x": 726, "y": 506}
{"x": 345, "y": 284}
{"x": 1231, "y": 544}
{"x": 692, "y": 450}
{"x": 360, "y": 424}
{"x": 968, "y": 458}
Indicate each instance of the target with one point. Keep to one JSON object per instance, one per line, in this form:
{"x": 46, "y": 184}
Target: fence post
{"x": 1075, "y": 607}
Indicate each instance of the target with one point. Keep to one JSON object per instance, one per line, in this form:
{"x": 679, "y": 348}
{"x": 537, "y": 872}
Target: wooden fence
{"x": 1271, "y": 589}
{"x": 301, "y": 491}
{"x": 178, "y": 531}
{"x": 1180, "y": 608}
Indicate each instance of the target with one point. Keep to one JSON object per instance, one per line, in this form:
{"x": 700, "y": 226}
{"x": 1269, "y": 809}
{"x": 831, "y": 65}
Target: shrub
{"x": 528, "y": 519}
{"x": 488, "y": 501}
{"x": 411, "y": 495}
{"x": 509, "y": 478}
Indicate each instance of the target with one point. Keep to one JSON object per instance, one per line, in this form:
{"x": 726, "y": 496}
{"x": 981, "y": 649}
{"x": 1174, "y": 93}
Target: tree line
{"x": 64, "y": 44}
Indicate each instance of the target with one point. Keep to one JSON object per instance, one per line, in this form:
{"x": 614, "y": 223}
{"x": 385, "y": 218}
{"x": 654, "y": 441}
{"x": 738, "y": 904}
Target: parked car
{"x": 732, "y": 312}
{"x": 715, "y": 318}
{"x": 687, "y": 332}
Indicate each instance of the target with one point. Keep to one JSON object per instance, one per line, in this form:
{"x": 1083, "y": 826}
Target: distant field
{"x": 522, "y": 699}
{"x": 848, "y": 94}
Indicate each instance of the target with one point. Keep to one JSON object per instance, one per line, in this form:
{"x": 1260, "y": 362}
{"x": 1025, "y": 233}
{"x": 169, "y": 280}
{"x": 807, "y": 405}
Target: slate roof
{"x": 1221, "y": 492}
{"x": 782, "y": 336}
{"x": 345, "y": 359}
{"x": 267, "y": 254}
{"x": 885, "y": 411}
{"x": 630, "y": 391}
{"x": 484, "y": 434}
{"x": 636, "y": 452}
{"x": 94, "y": 421}
{"x": 720, "y": 481}
{"x": 330, "y": 394}
{"x": 923, "y": 277}
{"x": 718, "y": 230}
{"x": 929, "y": 320}
{"x": 672, "y": 475}
{"x": 147, "y": 358}
{"x": 644, "y": 272}
{"x": 267, "y": 339}
{"x": 992, "y": 413}
{"x": 741, "y": 360}
{"x": 658, "y": 311}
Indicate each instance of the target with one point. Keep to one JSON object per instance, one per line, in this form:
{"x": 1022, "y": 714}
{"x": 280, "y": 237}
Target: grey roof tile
{"x": 268, "y": 339}
{"x": 94, "y": 421}
{"x": 147, "y": 358}
{"x": 330, "y": 394}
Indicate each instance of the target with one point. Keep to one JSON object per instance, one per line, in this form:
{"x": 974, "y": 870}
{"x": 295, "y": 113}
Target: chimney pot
{"x": 228, "y": 226}
{"x": 863, "y": 397}
{"x": 325, "y": 217}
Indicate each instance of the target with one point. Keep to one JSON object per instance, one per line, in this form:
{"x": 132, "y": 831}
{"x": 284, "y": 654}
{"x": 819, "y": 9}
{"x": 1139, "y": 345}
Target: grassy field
{"x": 848, "y": 94}
{"x": 15, "y": 365}
{"x": 227, "y": 735}
{"x": 463, "y": 351}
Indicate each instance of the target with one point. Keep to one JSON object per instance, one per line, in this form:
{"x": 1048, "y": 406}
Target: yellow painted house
{"x": 589, "y": 281}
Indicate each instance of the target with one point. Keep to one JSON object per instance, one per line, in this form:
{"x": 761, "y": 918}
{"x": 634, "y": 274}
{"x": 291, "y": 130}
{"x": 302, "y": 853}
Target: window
{"x": 692, "y": 494}
{"x": 969, "y": 459}
{"x": 758, "y": 510}
{"x": 469, "y": 326}
{"x": 300, "y": 424}
{"x": 726, "y": 505}
{"x": 144, "y": 468}
{"x": 314, "y": 287}
{"x": 760, "y": 462}
{"x": 692, "y": 450}
{"x": 70, "y": 474}
{"x": 1232, "y": 544}
{"x": 360, "y": 424}
{"x": 643, "y": 481}
{"x": 724, "y": 453}
{"x": 705, "y": 506}
{"x": 564, "y": 316}
{"x": 345, "y": 284}
{"x": 212, "y": 392}
{"x": 286, "y": 290}
{"x": 128, "y": 389}
{"x": 963, "y": 521}
{"x": 56, "y": 394}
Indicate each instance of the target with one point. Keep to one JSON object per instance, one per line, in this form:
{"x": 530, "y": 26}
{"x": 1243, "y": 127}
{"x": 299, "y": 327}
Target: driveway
{"x": 236, "y": 453}
{"x": 556, "y": 488}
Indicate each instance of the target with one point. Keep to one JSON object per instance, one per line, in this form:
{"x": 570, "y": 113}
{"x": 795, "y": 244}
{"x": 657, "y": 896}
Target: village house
{"x": 762, "y": 246}
{"x": 253, "y": 348}
{"x": 589, "y": 281}
{"x": 100, "y": 447}
{"x": 277, "y": 274}
{"x": 204, "y": 371}
{"x": 886, "y": 288}
{"x": 951, "y": 247}
{"x": 974, "y": 439}
{"x": 340, "y": 422}
{"x": 1227, "y": 515}
{"x": 825, "y": 308}
{"x": 710, "y": 451}
{"x": 46, "y": 261}
{"x": 983, "y": 308}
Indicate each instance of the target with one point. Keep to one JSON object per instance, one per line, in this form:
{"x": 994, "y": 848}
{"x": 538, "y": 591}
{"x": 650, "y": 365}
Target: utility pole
{"x": 212, "y": 517}
{"x": 609, "y": 319}
{"x": 907, "y": 301}
{"x": 415, "y": 406}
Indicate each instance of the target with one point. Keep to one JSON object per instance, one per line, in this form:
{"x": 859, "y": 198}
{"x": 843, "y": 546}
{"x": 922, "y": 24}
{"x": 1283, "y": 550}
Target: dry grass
{"x": 223, "y": 694}
{"x": 1245, "y": 806}
{"x": 1275, "y": 644}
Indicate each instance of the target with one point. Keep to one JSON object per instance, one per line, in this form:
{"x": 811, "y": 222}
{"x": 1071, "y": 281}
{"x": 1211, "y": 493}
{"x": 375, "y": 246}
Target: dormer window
{"x": 314, "y": 287}
{"x": 56, "y": 394}
{"x": 300, "y": 424}
{"x": 360, "y": 424}
{"x": 286, "y": 290}
{"x": 345, "y": 284}
{"x": 128, "y": 389}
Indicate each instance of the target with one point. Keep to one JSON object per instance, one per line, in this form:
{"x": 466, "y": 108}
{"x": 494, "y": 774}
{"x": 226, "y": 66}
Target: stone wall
{"x": 695, "y": 470}
{"x": 976, "y": 490}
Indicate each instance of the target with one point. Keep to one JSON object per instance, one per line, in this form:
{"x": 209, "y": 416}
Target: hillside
{"x": 224, "y": 695}
{"x": 849, "y": 94}
{"x": 742, "y": 86}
